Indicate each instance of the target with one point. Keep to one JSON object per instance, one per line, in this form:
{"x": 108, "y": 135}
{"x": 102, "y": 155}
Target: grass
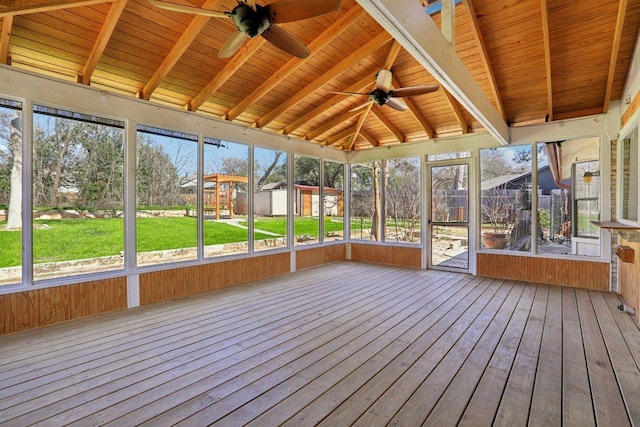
{"x": 70, "y": 239}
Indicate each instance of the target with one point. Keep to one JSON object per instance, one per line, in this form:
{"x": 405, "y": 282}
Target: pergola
{"x": 221, "y": 179}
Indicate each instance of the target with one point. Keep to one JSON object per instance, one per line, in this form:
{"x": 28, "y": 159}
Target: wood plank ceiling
{"x": 536, "y": 61}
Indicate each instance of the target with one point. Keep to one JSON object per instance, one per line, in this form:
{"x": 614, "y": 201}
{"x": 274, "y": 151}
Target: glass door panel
{"x": 449, "y": 216}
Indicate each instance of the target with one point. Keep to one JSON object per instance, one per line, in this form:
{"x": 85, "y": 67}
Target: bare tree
{"x": 269, "y": 169}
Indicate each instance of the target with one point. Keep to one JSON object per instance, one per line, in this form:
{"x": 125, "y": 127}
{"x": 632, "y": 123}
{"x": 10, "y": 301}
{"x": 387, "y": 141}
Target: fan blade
{"x": 396, "y": 104}
{"x": 349, "y": 93}
{"x": 232, "y": 45}
{"x": 250, "y": 3}
{"x": 283, "y": 40}
{"x": 383, "y": 81}
{"x": 361, "y": 106}
{"x": 297, "y": 10}
{"x": 413, "y": 90}
{"x": 187, "y": 9}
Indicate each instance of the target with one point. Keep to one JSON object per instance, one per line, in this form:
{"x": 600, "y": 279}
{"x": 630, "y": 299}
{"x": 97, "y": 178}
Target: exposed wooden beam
{"x": 358, "y": 128}
{"x": 547, "y": 57}
{"x": 5, "y": 38}
{"x": 371, "y": 46}
{"x": 622, "y": 10}
{"x": 632, "y": 108}
{"x": 464, "y": 126}
{"x": 423, "y": 122}
{"x": 101, "y": 42}
{"x": 387, "y": 123}
{"x": 327, "y": 36}
{"x": 591, "y": 111}
{"x": 241, "y": 56}
{"x": 408, "y": 22}
{"x": 186, "y": 38}
{"x": 367, "y": 136}
{"x": 416, "y": 113}
{"x": 339, "y": 136}
{"x": 332, "y": 123}
{"x": 477, "y": 35}
{"x": 448, "y": 20}
{"x": 333, "y": 100}
{"x": 394, "y": 51}
{"x": 23, "y": 7}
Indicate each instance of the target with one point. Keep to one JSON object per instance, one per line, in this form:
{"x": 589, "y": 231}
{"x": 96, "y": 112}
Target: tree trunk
{"x": 62, "y": 148}
{"x": 14, "y": 218}
{"x": 376, "y": 221}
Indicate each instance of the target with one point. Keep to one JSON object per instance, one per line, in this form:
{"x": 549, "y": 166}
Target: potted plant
{"x": 498, "y": 209}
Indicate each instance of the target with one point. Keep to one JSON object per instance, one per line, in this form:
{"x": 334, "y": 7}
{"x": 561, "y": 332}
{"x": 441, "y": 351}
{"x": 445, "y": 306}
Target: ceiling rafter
{"x": 622, "y": 10}
{"x": 477, "y": 35}
{"x": 371, "y": 46}
{"x": 415, "y": 112}
{"x": 358, "y": 128}
{"x": 194, "y": 28}
{"x": 367, "y": 136}
{"x": 455, "y": 107}
{"x": 387, "y": 123}
{"x": 23, "y": 7}
{"x": 547, "y": 57}
{"x": 241, "y": 56}
{"x": 332, "y": 123}
{"x": 333, "y": 31}
{"x": 5, "y": 37}
{"x": 101, "y": 42}
{"x": 340, "y": 136}
{"x": 335, "y": 99}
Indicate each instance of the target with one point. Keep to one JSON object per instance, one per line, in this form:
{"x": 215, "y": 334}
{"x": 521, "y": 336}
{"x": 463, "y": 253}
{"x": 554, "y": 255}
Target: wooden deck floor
{"x": 343, "y": 344}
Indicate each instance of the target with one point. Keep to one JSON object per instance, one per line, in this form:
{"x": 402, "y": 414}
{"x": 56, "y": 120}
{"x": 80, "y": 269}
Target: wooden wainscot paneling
{"x": 178, "y": 282}
{"x": 629, "y": 278}
{"x": 313, "y": 257}
{"x": 553, "y": 271}
{"x": 21, "y": 311}
{"x": 403, "y": 256}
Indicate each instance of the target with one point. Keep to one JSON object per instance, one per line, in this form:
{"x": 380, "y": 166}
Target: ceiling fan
{"x": 253, "y": 20}
{"x": 384, "y": 95}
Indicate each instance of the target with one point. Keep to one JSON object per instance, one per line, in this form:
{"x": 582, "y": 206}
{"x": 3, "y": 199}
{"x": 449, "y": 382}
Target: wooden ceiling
{"x": 535, "y": 60}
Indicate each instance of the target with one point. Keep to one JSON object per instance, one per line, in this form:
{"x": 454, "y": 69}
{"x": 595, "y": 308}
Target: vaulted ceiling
{"x": 534, "y": 60}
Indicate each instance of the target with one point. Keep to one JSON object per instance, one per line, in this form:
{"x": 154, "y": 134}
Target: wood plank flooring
{"x": 342, "y": 344}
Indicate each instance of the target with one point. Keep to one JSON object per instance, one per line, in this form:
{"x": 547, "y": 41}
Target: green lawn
{"x": 69, "y": 239}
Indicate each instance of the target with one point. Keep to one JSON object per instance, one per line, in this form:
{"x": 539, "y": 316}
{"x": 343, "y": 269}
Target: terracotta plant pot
{"x": 494, "y": 240}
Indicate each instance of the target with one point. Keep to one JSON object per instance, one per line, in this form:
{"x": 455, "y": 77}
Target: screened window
{"x": 225, "y": 208}
{"x": 568, "y": 192}
{"x": 333, "y": 201}
{"x": 78, "y": 189}
{"x": 630, "y": 158}
{"x": 586, "y": 198}
{"x": 505, "y": 208}
{"x": 270, "y": 200}
{"x": 10, "y": 192}
{"x": 403, "y": 200}
{"x": 306, "y": 223}
{"x": 167, "y": 182}
{"x": 366, "y": 201}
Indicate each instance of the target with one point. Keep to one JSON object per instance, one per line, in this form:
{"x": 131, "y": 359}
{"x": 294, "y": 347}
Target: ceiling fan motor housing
{"x": 379, "y": 97}
{"x": 251, "y": 22}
